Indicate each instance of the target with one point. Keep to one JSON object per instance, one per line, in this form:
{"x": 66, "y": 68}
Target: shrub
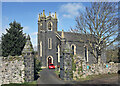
{"x": 37, "y": 65}
{"x": 108, "y": 72}
{"x": 73, "y": 65}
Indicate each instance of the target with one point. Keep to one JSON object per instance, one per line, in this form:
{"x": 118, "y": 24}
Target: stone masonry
{"x": 83, "y": 70}
{"x": 28, "y": 54}
{"x": 66, "y": 63}
{"x": 12, "y": 70}
{"x": 18, "y": 69}
{"x": 0, "y": 70}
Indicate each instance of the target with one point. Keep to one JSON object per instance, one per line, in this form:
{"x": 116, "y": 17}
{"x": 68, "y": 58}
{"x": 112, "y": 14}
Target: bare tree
{"x": 100, "y": 20}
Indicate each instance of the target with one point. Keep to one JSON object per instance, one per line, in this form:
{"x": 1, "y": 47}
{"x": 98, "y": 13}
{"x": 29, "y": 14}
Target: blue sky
{"x": 26, "y": 13}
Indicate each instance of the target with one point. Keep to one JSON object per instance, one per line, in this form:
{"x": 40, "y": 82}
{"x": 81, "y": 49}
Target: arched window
{"x": 40, "y": 48}
{"x": 73, "y": 49}
{"x": 49, "y": 26}
{"x": 58, "y": 53}
{"x": 49, "y": 43}
{"x": 86, "y": 54}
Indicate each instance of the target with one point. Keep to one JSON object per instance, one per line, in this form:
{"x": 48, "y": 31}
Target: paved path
{"x": 49, "y": 77}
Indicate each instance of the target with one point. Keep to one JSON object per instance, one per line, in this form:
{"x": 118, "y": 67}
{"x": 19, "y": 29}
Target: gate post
{"x": 66, "y": 63}
{"x": 28, "y": 54}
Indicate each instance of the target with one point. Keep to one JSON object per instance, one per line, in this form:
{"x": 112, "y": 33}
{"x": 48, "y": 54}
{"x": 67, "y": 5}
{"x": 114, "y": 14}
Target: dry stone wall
{"x": 83, "y": 69}
{"x": 11, "y": 70}
{"x": 0, "y": 70}
{"x": 18, "y": 69}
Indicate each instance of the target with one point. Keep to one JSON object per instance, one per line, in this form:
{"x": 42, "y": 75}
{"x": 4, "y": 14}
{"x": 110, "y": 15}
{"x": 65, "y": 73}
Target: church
{"x": 49, "y": 42}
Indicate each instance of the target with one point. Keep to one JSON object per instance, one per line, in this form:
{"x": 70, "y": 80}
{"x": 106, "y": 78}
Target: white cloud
{"x": 71, "y": 9}
{"x": 34, "y": 33}
{"x": 67, "y": 15}
{"x": 2, "y": 31}
{"x": 25, "y": 28}
{"x": 34, "y": 42}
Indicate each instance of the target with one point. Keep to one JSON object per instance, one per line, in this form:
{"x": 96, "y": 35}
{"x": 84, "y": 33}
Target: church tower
{"x": 47, "y": 26}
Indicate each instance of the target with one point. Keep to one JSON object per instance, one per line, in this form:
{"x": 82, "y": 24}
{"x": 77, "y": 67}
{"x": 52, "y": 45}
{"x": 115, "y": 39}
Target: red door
{"x": 49, "y": 60}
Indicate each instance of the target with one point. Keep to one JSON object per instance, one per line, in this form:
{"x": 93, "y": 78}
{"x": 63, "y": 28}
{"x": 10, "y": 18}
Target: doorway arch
{"x": 49, "y": 60}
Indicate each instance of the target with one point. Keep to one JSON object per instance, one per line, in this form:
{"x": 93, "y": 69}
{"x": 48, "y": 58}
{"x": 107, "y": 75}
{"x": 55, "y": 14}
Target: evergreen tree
{"x": 14, "y": 40}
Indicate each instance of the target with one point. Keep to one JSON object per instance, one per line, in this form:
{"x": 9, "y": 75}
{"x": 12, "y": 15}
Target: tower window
{"x": 73, "y": 49}
{"x": 49, "y": 26}
{"x": 49, "y": 43}
{"x": 40, "y": 48}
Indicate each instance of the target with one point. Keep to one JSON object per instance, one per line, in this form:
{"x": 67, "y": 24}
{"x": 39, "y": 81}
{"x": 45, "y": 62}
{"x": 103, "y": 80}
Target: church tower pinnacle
{"x": 62, "y": 34}
{"x": 43, "y": 13}
{"x": 55, "y": 16}
{"x": 39, "y": 18}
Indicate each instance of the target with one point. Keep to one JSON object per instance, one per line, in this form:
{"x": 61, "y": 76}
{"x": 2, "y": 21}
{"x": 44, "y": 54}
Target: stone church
{"x": 50, "y": 42}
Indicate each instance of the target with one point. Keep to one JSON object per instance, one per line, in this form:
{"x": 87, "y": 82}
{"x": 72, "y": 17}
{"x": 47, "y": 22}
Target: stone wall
{"x": 11, "y": 70}
{"x": 16, "y": 69}
{"x": 28, "y": 54}
{"x": 83, "y": 70}
{"x": 0, "y": 70}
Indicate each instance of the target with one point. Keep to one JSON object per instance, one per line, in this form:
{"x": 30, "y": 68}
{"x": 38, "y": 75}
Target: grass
{"x": 93, "y": 77}
{"x": 34, "y": 83}
{"x": 57, "y": 72}
{"x": 39, "y": 70}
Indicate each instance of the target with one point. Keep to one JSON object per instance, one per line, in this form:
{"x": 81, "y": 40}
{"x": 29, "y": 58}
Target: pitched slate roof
{"x": 76, "y": 37}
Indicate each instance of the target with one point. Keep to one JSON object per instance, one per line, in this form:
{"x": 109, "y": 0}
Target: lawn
{"x": 57, "y": 72}
{"x": 34, "y": 83}
{"x": 93, "y": 77}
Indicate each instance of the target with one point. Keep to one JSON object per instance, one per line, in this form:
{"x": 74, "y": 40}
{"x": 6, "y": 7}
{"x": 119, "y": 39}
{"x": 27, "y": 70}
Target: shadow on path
{"x": 47, "y": 76}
